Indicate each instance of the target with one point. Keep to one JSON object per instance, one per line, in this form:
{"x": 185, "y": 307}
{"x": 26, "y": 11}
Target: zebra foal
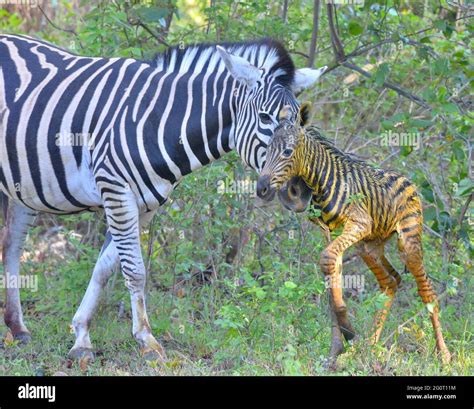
{"x": 369, "y": 204}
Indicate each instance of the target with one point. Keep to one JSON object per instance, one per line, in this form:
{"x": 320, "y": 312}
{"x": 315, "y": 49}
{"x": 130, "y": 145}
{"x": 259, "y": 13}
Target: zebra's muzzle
{"x": 264, "y": 190}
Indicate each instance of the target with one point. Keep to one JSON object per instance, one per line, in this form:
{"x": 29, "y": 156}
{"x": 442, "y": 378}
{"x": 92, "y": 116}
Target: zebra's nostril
{"x": 264, "y": 191}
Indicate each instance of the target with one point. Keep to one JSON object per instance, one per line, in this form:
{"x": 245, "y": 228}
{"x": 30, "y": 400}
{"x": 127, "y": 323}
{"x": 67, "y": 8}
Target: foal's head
{"x": 284, "y": 156}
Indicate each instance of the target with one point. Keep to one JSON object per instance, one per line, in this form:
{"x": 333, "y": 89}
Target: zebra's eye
{"x": 265, "y": 118}
{"x": 287, "y": 153}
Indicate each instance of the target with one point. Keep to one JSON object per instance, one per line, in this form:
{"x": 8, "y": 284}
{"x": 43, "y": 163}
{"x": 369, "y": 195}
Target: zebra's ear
{"x": 305, "y": 77}
{"x": 240, "y": 68}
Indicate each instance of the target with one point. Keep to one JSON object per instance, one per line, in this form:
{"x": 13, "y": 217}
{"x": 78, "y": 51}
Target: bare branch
{"x": 335, "y": 41}
{"x": 314, "y": 35}
{"x": 284, "y": 15}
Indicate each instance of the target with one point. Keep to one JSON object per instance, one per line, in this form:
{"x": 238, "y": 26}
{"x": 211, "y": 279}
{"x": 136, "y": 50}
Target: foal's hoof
{"x": 22, "y": 337}
{"x": 348, "y": 332}
{"x": 445, "y": 357}
{"x": 81, "y": 353}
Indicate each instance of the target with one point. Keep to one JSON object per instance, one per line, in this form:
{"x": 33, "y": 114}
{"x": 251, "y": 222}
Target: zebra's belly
{"x": 44, "y": 191}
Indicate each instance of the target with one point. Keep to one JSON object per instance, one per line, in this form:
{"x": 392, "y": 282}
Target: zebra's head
{"x": 285, "y": 155}
{"x": 266, "y": 82}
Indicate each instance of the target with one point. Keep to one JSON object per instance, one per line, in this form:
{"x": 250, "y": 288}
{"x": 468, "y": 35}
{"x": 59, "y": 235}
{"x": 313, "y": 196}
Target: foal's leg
{"x": 331, "y": 265}
{"x": 18, "y": 220}
{"x": 372, "y": 254}
{"x": 337, "y": 343}
{"x": 409, "y": 243}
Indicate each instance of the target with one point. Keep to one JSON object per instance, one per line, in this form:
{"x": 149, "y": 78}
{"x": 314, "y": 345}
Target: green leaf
{"x": 450, "y": 108}
{"x": 440, "y": 25}
{"x": 355, "y": 28}
{"x": 150, "y": 14}
{"x": 465, "y": 187}
{"x": 290, "y": 284}
{"x": 381, "y": 74}
{"x": 421, "y": 123}
{"x": 440, "y": 66}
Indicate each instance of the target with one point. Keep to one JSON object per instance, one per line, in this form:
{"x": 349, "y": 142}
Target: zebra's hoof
{"x": 22, "y": 337}
{"x": 330, "y": 363}
{"x": 81, "y": 353}
{"x": 150, "y": 354}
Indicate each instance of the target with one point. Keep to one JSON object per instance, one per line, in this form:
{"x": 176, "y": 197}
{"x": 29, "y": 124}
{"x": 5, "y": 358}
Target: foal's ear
{"x": 304, "y": 113}
{"x": 285, "y": 113}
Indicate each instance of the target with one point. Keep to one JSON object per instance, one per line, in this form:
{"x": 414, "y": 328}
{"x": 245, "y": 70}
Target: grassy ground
{"x": 216, "y": 329}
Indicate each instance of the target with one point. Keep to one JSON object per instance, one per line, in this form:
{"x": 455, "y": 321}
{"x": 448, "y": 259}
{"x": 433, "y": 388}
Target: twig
{"x": 418, "y": 100}
{"x": 148, "y": 30}
{"x": 464, "y": 208}
{"x": 66, "y": 30}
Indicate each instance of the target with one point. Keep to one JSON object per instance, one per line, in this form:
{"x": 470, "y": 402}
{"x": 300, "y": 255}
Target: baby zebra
{"x": 369, "y": 204}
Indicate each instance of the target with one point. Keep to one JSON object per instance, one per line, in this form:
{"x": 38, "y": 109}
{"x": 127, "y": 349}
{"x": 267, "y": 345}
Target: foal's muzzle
{"x": 295, "y": 195}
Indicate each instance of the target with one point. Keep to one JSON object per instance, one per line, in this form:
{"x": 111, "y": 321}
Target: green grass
{"x": 221, "y": 328}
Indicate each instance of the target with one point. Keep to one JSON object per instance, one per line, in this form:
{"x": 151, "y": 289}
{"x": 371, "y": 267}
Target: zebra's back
{"x": 54, "y": 107}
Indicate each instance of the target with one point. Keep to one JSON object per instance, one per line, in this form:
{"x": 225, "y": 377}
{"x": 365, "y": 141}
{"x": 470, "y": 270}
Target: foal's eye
{"x": 287, "y": 152}
{"x": 265, "y": 118}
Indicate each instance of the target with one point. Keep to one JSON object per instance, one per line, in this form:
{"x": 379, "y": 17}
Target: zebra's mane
{"x": 265, "y": 53}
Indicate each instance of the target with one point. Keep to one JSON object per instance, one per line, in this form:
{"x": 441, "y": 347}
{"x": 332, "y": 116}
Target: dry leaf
{"x": 9, "y": 339}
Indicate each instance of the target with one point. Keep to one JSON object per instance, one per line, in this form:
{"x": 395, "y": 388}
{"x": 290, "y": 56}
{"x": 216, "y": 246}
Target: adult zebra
{"x": 142, "y": 127}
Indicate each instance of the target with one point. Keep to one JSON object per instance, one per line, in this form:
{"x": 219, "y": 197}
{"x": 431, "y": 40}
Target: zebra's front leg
{"x": 123, "y": 221}
{"x": 18, "y": 220}
{"x": 108, "y": 260}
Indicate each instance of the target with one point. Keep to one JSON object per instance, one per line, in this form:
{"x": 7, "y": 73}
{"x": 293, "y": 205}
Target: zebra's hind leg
{"x": 409, "y": 244}
{"x": 372, "y": 254}
{"x": 18, "y": 221}
{"x": 123, "y": 220}
{"x": 107, "y": 261}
